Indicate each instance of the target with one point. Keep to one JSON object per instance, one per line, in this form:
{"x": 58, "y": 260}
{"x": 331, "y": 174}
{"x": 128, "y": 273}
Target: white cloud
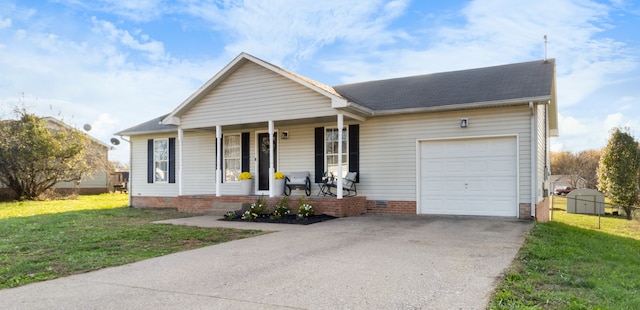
{"x": 5, "y": 23}
{"x": 153, "y": 49}
{"x": 292, "y": 31}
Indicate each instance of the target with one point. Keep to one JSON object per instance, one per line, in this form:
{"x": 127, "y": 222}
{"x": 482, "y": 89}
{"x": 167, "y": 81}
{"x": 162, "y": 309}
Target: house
{"x": 470, "y": 142}
{"x": 566, "y": 180}
{"x": 95, "y": 183}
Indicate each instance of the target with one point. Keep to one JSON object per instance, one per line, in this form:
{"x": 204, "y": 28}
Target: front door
{"x": 263, "y": 159}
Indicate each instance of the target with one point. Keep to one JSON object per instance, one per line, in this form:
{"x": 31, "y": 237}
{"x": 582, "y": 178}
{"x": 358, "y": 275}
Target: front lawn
{"x": 571, "y": 264}
{"x": 50, "y": 239}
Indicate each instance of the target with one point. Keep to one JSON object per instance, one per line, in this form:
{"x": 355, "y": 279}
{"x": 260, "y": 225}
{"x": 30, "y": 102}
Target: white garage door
{"x": 469, "y": 177}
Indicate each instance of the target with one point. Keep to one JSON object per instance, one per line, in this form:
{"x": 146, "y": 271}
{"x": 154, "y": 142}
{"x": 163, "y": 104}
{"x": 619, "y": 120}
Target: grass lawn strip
{"x": 564, "y": 265}
{"x": 42, "y": 247}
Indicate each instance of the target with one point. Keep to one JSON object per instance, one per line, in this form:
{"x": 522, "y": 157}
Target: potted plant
{"x": 278, "y": 183}
{"x": 245, "y": 183}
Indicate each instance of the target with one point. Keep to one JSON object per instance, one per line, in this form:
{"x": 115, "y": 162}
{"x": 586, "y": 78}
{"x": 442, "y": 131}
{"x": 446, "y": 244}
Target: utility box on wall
{"x": 585, "y": 201}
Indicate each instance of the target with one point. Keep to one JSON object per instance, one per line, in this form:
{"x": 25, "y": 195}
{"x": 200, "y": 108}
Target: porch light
{"x": 464, "y": 123}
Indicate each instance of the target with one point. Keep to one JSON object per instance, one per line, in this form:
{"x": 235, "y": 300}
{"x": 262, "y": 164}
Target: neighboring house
{"x": 95, "y": 183}
{"x": 470, "y": 142}
{"x": 567, "y": 181}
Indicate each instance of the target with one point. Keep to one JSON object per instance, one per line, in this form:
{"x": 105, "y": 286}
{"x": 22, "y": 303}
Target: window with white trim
{"x": 232, "y": 148}
{"x": 161, "y": 160}
{"x": 331, "y": 151}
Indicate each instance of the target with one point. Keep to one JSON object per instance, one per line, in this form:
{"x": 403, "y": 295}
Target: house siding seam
{"x": 255, "y": 94}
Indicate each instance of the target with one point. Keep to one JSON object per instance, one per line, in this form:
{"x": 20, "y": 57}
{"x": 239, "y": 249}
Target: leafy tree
{"x": 590, "y": 160}
{"x": 619, "y": 170}
{"x": 35, "y": 154}
{"x": 580, "y": 166}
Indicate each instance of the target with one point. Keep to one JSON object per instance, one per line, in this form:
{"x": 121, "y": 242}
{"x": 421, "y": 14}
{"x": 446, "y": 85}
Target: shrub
{"x": 304, "y": 209}
{"x": 282, "y": 208}
{"x": 259, "y": 207}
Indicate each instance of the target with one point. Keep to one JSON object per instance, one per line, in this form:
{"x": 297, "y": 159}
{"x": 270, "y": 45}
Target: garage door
{"x": 469, "y": 177}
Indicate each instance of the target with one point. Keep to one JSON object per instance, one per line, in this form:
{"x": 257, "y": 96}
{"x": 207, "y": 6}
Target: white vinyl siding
{"x": 139, "y": 185}
{"x": 254, "y": 94}
{"x": 199, "y": 160}
{"x": 541, "y": 155}
{"x": 388, "y": 146}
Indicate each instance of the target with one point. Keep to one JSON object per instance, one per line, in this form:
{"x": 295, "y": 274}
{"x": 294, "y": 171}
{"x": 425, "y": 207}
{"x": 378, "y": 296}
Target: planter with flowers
{"x": 278, "y": 183}
{"x": 245, "y": 183}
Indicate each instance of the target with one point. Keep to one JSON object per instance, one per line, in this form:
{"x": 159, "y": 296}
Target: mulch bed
{"x": 287, "y": 219}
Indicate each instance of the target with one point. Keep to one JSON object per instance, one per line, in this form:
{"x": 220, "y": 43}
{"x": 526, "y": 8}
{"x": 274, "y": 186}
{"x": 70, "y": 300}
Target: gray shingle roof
{"x": 498, "y": 83}
{"x": 152, "y": 126}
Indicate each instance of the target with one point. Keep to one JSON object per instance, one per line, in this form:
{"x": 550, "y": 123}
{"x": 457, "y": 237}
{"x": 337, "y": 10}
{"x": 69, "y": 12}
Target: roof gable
{"x": 233, "y": 66}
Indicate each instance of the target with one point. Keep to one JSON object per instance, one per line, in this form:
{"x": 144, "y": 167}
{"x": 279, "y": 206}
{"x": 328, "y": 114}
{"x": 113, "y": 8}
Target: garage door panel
{"x": 469, "y": 177}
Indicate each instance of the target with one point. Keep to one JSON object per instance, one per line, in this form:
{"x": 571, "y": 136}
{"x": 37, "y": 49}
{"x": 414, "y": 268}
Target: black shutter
{"x": 354, "y": 150}
{"x": 150, "y": 161}
{"x": 245, "y": 145}
{"x": 172, "y": 160}
{"x": 319, "y": 153}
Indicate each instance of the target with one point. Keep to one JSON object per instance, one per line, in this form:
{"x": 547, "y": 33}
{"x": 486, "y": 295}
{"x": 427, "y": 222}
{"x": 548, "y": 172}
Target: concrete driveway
{"x": 366, "y": 262}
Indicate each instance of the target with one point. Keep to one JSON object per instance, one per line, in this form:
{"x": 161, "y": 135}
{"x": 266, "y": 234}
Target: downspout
{"x": 129, "y": 183}
{"x": 534, "y": 157}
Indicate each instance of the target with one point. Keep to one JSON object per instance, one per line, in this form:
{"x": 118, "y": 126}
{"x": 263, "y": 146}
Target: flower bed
{"x": 285, "y": 219}
{"x": 257, "y": 212}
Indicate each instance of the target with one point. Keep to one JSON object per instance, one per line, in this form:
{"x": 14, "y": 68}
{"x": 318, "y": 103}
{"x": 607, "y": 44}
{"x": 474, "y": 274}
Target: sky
{"x": 114, "y": 64}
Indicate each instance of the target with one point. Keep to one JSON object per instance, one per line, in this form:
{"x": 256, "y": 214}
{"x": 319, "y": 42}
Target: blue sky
{"x": 114, "y": 64}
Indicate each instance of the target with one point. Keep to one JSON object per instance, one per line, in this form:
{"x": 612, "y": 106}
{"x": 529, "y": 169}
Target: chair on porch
{"x": 297, "y": 180}
{"x": 348, "y": 185}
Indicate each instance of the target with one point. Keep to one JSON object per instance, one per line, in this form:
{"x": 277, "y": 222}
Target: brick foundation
{"x": 391, "y": 206}
{"x": 348, "y": 206}
{"x": 525, "y": 211}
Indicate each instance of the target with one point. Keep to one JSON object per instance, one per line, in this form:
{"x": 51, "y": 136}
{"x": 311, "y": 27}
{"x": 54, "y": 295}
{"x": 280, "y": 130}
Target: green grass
{"x": 46, "y": 240}
{"x": 571, "y": 264}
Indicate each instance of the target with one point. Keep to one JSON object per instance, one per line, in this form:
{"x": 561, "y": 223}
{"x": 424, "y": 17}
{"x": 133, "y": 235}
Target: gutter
{"x": 462, "y": 106}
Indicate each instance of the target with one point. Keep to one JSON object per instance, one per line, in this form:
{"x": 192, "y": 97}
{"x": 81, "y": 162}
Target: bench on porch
{"x": 297, "y": 180}
{"x": 348, "y": 185}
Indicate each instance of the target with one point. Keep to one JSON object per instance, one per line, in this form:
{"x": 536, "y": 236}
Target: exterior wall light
{"x": 464, "y": 123}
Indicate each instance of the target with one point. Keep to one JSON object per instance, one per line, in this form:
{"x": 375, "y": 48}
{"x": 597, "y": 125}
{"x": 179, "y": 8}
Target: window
{"x": 331, "y": 151}
{"x": 161, "y": 160}
{"x": 232, "y": 156}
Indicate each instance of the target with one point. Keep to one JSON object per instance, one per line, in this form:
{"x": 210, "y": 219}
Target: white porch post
{"x": 218, "y": 155}
{"x": 271, "y": 168}
{"x": 339, "y": 185}
{"x": 180, "y": 138}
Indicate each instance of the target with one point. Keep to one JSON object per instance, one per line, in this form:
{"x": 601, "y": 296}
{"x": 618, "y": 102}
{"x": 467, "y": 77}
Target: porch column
{"x": 339, "y": 185}
{"x": 180, "y": 138}
{"x": 218, "y": 156}
{"x": 271, "y": 168}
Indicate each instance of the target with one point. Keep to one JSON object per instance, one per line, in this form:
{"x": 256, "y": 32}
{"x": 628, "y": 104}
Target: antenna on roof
{"x": 545, "y": 48}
